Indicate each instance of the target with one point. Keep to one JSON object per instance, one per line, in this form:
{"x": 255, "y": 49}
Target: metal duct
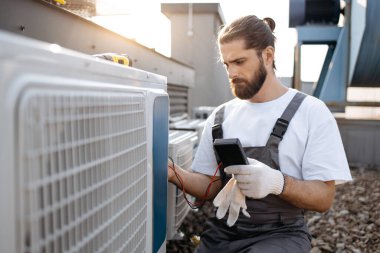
{"x": 313, "y": 12}
{"x": 367, "y": 66}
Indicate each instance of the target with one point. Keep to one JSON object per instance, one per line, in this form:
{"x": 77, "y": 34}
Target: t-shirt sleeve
{"x": 204, "y": 160}
{"x": 324, "y": 158}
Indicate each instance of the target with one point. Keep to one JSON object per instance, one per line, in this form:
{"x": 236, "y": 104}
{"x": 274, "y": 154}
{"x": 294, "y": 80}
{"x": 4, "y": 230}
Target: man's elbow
{"x": 327, "y": 202}
{"x": 324, "y": 207}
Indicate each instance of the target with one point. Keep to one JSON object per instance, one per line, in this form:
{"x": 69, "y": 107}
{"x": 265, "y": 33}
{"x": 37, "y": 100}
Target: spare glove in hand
{"x": 257, "y": 180}
{"x": 232, "y": 199}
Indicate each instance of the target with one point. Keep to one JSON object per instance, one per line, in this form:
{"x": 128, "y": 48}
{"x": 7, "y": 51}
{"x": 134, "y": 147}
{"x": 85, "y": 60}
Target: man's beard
{"x": 245, "y": 89}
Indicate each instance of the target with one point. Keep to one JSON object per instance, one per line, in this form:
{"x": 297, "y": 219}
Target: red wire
{"x": 195, "y": 205}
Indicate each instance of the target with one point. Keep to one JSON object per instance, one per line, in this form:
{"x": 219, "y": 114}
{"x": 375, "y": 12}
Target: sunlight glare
{"x": 138, "y": 20}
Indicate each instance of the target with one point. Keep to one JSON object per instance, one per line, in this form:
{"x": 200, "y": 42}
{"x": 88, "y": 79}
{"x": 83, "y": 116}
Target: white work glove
{"x": 257, "y": 180}
{"x": 232, "y": 199}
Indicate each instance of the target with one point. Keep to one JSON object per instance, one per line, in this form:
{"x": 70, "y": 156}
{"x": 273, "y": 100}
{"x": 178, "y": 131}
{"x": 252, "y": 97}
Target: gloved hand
{"x": 257, "y": 180}
{"x": 230, "y": 197}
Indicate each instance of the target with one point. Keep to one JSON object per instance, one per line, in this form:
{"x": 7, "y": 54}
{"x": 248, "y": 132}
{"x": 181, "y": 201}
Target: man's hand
{"x": 230, "y": 197}
{"x": 257, "y": 180}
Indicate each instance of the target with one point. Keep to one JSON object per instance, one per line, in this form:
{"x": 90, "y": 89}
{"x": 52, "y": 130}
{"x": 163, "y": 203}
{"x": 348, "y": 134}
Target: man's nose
{"x": 232, "y": 73}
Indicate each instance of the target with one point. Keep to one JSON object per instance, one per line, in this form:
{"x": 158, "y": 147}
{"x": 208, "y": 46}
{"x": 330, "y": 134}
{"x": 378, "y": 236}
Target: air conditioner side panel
{"x": 160, "y": 163}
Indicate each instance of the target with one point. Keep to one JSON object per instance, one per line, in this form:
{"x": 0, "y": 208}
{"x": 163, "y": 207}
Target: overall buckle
{"x": 217, "y": 131}
{"x": 280, "y": 128}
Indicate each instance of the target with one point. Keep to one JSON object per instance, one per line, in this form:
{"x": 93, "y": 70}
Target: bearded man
{"x": 295, "y": 151}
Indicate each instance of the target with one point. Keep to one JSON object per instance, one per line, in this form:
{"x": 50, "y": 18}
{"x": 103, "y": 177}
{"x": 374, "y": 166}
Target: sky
{"x": 152, "y": 29}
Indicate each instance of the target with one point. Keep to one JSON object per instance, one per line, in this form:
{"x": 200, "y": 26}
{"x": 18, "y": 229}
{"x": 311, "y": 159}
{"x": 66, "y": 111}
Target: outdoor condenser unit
{"x": 83, "y": 152}
{"x": 181, "y": 150}
{"x": 202, "y": 112}
{"x": 196, "y": 125}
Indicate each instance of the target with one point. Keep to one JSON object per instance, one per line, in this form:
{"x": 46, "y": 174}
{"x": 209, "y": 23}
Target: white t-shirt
{"x": 311, "y": 149}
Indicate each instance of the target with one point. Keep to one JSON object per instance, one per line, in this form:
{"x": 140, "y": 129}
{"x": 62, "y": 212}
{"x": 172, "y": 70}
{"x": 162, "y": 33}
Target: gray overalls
{"x": 275, "y": 226}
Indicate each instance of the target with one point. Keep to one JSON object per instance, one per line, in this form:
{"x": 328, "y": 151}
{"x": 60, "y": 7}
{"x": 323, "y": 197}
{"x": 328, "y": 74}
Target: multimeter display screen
{"x": 230, "y": 152}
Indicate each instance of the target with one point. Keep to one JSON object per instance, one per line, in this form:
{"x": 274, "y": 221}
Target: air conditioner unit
{"x": 202, "y": 112}
{"x": 181, "y": 150}
{"x": 83, "y": 152}
{"x": 196, "y": 125}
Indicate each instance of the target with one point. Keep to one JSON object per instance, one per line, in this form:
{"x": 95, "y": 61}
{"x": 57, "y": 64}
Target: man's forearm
{"x": 310, "y": 195}
{"x": 196, "y": 184}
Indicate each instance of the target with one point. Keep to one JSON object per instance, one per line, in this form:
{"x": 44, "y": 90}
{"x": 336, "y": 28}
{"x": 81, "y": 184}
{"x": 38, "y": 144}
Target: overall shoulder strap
{"x": 217, "y": 131}
{"x": 282, "y": 123}
{"x": 280, "y": 128}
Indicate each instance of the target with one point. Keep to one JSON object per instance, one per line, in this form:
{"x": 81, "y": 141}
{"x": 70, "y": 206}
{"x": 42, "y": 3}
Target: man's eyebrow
{"x": 235, "y": 60}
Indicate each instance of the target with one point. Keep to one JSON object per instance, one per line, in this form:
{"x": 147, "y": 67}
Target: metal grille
{"x": 181, "y": 151}
{"x": 83, "y": 171}
{"x": 178, "y": 99}
{"x": 184, "y": 159}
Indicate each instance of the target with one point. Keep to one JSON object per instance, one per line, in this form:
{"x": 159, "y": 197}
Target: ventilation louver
{"x": 82, "y": 171}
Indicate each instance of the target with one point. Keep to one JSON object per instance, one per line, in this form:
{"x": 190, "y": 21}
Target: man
{"x": 292, "y": 140}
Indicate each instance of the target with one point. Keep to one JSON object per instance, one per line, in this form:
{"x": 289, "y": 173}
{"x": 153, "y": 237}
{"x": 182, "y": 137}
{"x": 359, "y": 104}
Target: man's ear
{"x": 268, "y": 56}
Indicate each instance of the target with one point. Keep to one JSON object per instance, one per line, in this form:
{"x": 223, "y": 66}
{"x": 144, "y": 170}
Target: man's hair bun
{"x": 270, "y": 22}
